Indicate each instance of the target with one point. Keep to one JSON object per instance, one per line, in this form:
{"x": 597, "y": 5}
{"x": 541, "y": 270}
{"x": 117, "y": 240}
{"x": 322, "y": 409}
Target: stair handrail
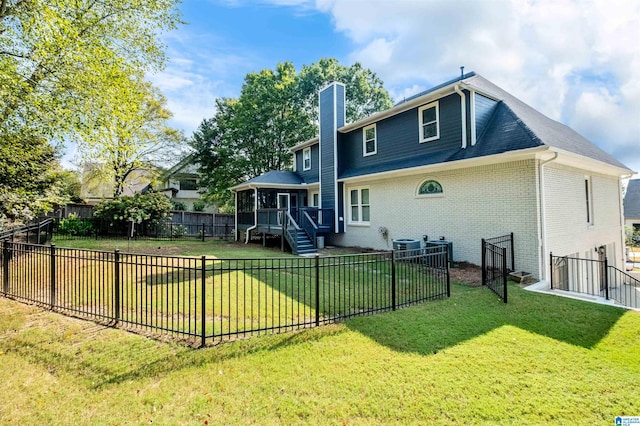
{"x": 309, "y": 226}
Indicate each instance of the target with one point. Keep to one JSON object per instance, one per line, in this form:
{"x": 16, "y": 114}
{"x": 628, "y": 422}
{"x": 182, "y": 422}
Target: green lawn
{"x": 240, "y": 295}
{"x": 469, "y": 359}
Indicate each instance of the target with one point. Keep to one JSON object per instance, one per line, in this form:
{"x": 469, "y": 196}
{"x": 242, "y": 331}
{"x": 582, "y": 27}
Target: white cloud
{"x": 575, "y": 61}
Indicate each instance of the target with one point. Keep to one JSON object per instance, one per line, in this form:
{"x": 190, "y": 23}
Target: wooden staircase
{"x": 303, "y": 245}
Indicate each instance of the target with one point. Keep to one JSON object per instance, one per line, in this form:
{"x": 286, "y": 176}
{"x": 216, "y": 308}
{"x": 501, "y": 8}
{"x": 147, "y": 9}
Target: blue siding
{"x": 309, "y": 176}
{"x": 398, "y": 137}
{"x": 484, "y": 110}
{"x": 331, "y": 116}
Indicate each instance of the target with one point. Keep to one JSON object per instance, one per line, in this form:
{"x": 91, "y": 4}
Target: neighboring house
{"x": 94, "y": 189}
{"x": 464, "y": 160}
{"x": 632, "y": 204}
{"x": 180, "y": 183}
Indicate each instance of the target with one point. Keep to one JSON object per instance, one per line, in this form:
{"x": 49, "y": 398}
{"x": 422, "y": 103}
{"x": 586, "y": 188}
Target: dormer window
{"x": 306, "y": 159}
{"x": 428, "y": 116}
{"x": 369, "y": 140}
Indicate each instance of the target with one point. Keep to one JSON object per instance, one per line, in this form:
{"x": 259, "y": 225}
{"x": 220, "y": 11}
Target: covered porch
{"x": 287, "y": 210}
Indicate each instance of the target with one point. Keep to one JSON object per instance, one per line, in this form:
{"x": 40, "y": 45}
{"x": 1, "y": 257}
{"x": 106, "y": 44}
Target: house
{"x": 632, "y": 204}
{"x": 95, "y": 188}
{"x": 462, "y": 161}
{"x": 180, "y": 183}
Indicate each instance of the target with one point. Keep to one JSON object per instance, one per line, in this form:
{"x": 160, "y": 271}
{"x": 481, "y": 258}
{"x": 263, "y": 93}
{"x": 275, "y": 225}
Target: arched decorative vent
{"x": 430, "y": 187}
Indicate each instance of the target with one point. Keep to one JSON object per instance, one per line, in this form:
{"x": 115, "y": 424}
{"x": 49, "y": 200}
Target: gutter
{"x": 543, "y": 235}
{"x": 463, "y": 113}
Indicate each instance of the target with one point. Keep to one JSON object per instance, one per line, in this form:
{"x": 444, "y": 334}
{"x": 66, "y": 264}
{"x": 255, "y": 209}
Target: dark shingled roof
{"x": 548, "y": 131}
{"x": 276, "y": 177}
{"x": 632, "y": 200}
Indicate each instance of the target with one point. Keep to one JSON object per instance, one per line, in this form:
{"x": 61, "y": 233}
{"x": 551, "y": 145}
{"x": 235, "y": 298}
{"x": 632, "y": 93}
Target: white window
{"x": 359, "y": 208}
{"x": 315, "y": 199}
{"x": 588, "y": 199}
{"x": 429, "y": 188}
{"x": 428, "y": 116}
{"x": 306, "y": 159}
{"x": 369, "y": 141}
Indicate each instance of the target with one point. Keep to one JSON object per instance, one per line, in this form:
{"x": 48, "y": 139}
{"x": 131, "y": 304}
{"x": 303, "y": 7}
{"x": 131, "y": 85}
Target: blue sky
{"x": 577, "y": 62}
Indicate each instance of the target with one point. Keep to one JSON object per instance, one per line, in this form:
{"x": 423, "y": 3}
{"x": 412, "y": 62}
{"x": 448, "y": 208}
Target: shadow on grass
{"x": 471, "y": 312}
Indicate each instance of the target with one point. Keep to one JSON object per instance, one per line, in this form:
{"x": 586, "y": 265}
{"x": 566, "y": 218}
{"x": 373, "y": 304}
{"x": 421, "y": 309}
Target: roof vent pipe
{"x": 461, "y": 72}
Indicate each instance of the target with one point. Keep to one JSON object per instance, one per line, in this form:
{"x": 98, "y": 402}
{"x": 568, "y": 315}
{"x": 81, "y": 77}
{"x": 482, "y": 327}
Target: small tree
{"x": 151, "y": 208}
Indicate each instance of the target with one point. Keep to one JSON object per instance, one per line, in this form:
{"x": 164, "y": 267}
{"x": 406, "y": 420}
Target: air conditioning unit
{"x": 440, "y": 243}
{"x": 406, "y": 244}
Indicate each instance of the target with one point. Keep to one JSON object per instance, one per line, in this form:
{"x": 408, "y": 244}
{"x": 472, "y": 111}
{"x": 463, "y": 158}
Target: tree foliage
{"x": 57, "y": 58}
{"x": 151, "y": 207}
{"x": 275, "y": 110}
{"x": 130, "y": 135}
{"x": 59, "y": 61}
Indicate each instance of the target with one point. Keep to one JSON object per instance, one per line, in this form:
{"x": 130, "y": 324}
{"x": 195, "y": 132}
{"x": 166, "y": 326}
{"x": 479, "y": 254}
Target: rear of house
{"x": 462, "y": 161}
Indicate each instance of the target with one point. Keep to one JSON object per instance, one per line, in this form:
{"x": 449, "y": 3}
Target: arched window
{"x": 430, "y": 187}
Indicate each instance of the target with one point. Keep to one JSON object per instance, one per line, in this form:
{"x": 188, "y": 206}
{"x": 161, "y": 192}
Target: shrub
{"x": 73, "y": 225}
{"x": 152, "y": 208}
{"x": 199, "y": 205}
{"x": 178, "y": 205}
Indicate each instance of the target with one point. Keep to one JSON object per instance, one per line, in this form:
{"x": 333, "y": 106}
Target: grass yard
{"x": 241, "y": 296}
{"x": 469, "y": 359}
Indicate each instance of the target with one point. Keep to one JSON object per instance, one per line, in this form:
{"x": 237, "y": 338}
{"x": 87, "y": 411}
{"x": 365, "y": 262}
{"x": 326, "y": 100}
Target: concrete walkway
{"x": 543, "y": 287}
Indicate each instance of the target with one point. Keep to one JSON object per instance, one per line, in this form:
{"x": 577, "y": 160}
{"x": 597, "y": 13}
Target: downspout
{"x": 463, "y": 113}
{"x": 543, "y": 234}
{"x": 255, "y": 215}
{"x": 622, "y": 221}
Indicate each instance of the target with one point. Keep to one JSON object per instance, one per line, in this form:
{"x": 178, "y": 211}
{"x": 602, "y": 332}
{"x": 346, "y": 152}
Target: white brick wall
{"x": 566, "y": 213}
{"x": 479, "y": 202}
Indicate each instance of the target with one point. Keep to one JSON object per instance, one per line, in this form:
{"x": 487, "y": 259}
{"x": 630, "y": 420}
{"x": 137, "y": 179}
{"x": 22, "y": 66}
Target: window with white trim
{"x": 306, "y": 159}
{"x": 428, "y": 116}
{"x": 369, "y": 140}
{"x": 429, "y": 188}
{"x": 588, "y": 199}
{"x": 359, "y": 207}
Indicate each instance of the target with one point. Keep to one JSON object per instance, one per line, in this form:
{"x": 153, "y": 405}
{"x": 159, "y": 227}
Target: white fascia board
{"x": 406, "y": 106}
{"x": 530, "y": 153}
{"x": 304, "y": 144}
{"x": 578, "y": 161}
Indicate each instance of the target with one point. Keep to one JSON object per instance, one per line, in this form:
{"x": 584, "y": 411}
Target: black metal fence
{"x": 38, "y": 232}
{"x": 94, "y": 228}
{"x": 494, "y": 268}
{"x": 594, "y": 277}
{"x": 505, "y": 241}
{"x": 206, "y": 299}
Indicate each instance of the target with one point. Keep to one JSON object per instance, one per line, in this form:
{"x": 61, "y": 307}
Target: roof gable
{"x": 549, "y": 132}
{"x": 632, "y": 200}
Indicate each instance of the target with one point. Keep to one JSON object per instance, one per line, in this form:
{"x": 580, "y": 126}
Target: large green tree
{"x": 130, "y": 135}
{"x": 275, "y": 110}
{"x": 58, "y": 61}
{"x": 57, "y": 57}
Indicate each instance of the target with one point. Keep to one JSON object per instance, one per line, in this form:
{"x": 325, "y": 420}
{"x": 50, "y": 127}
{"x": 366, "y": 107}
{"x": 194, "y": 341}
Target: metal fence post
{"x": 203, "y": 303}
{"x": 504, "y": 272}
{"x": 606, "y": 278}
{"x": 513, "y": 256}
{"x": 448, "y": 270}
{"x": 393, "y": 280}
{"x": 484, "y": 263}
{"x": 116, "y": 289}
{"x": 551, "y": 270}
{"x": 317, "y": 268}
{"x": 5, "y": 267}
{"x": 52, "y": 279}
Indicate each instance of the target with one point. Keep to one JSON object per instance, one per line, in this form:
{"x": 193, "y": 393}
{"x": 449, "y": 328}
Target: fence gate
{"x": 494, "y": 268}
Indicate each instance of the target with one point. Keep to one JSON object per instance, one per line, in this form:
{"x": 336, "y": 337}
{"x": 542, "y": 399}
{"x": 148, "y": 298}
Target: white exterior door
{"x": 283, "y": 203}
